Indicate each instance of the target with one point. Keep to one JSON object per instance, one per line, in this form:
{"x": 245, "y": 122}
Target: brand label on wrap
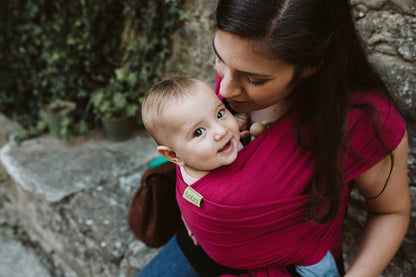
{"x": 192, "y": 196}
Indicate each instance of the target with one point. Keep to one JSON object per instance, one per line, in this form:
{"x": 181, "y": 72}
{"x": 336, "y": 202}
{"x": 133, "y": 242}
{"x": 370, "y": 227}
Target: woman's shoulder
{"x": 362, "y": 99}
{"x": 373, "y": 115}
{"x": 375, "y": 128}
{"x": 366, "y": 105}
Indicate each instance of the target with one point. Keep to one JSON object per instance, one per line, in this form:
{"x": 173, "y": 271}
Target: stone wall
{"x": 193, "y": 54}
{"x": 388, "y": 28}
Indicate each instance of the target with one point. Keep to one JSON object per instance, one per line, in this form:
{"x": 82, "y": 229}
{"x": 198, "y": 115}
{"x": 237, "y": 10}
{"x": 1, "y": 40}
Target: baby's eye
{"x": 220, "y": 114}
{"x": 199, "y": 132}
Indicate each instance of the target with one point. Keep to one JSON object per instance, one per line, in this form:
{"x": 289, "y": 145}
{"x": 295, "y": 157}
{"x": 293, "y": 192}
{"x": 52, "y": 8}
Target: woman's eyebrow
{"x": 252, "y": 74}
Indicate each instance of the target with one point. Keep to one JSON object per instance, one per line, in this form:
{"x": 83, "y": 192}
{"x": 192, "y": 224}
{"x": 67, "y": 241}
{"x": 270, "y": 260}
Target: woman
{"x": 304, "y": 61}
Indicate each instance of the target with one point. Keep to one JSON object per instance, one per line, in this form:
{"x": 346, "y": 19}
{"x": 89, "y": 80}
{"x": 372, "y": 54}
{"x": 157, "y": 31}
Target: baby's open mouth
{"x": 226, "y": 147}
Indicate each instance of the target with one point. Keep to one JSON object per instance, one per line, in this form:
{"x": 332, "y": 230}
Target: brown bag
{"x": 154, "y": 214}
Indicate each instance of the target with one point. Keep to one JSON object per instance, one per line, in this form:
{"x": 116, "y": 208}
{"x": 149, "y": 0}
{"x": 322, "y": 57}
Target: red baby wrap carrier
{"x": 252, "y": 215}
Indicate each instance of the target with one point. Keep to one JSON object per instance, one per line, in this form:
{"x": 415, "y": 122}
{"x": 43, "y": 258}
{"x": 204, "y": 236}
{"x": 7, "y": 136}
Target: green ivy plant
{"x": 60, "y": 107}
{"x": 59, "y": 110}
{"x": 32, "y": 131}
{"x": 70, "y": 50}
{"x": 119, "y": 98}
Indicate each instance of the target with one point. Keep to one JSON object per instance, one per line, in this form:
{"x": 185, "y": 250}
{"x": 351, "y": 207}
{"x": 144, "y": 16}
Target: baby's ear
{"x": 169, "y": 154}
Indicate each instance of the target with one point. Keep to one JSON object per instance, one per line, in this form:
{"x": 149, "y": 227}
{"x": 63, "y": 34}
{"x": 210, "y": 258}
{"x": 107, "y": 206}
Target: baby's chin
{"x": 232, "y": 158}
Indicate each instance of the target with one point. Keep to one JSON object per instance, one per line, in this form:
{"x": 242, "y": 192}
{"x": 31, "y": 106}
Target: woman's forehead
{"x": 243, "y": 55}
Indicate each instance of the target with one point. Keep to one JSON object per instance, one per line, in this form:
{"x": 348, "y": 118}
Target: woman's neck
{"x": 273, "y": 112}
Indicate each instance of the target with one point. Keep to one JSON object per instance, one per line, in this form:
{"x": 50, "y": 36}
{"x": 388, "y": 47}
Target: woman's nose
{"x": 229, "y": 87}
{"x": 220, "y": 132}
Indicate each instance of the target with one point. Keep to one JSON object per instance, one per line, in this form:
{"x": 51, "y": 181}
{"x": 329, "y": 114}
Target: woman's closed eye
{"x": 254, "y": 81}
{"x": 251, "y": 80}
{"x": 218, "y": 59}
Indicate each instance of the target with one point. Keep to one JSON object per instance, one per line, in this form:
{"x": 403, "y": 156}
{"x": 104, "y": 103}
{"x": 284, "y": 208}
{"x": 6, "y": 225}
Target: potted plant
{"x": 57, "y": 115}
{"x": 117, "y": 106}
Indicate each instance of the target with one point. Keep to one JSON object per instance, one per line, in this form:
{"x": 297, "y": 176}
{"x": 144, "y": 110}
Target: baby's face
{"x": 207, "y": 134}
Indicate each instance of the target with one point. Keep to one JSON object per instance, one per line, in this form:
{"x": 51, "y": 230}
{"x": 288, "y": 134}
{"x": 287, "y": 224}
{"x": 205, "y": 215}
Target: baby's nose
{"x": 220, "y": 132}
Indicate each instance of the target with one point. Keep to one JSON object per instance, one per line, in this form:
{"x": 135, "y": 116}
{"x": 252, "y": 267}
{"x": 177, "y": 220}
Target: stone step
{"x": 73, "y": 199}
{"x": 17, "y": 260}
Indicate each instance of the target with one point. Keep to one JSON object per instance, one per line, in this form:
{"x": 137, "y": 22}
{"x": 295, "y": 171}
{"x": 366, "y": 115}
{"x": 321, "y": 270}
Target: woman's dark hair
{"x": 320, "y": 35}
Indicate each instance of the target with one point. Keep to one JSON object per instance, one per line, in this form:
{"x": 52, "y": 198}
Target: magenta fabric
{"x": 252, "y": 213}
{"x": 217, "y": 86}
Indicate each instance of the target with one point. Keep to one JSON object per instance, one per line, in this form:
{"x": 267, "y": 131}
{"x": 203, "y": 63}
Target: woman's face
{"x": 250, "y": 81}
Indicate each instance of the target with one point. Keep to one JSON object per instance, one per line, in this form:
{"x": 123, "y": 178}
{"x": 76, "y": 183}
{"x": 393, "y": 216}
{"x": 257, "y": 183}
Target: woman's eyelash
{"x": 254, "y": 83}
{"x": 247, "y": 78}
{"x": 218, "y": 60}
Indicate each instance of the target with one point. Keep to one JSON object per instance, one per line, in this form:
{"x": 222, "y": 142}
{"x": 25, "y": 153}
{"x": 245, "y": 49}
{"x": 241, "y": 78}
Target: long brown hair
{"x": 316, "y": 34}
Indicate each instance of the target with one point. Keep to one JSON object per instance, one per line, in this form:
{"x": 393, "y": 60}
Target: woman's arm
{"x": 388, "y": 214}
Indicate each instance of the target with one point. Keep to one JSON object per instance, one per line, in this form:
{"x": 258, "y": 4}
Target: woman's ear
{"x": 310, "y": 70}
{"x": 169, "y": 154}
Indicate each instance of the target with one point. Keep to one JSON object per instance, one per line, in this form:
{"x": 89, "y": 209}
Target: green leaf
{"x": 119, "y": 100}
{"x": 132, "y": 110}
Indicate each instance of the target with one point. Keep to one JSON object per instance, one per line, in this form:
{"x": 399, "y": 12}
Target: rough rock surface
{"x": 72, "y": 199}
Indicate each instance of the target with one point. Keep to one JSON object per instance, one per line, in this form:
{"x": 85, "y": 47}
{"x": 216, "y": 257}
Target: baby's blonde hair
{"x": 162, "y": 97}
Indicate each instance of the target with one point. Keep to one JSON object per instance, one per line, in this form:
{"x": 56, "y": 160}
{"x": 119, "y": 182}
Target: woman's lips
{"x": 235, "y": 105}
{"x": 231, "y": 102}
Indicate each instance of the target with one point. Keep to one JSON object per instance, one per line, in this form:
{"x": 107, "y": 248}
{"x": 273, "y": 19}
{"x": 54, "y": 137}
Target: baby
{"x": 191, "y": 126}
{"x": 194, "y": 130}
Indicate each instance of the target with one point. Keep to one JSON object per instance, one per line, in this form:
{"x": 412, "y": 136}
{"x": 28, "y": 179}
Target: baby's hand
{"x": 243, "y": 123}
{"x": 244, "y": 134}
{"x": 242, "y": 120}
